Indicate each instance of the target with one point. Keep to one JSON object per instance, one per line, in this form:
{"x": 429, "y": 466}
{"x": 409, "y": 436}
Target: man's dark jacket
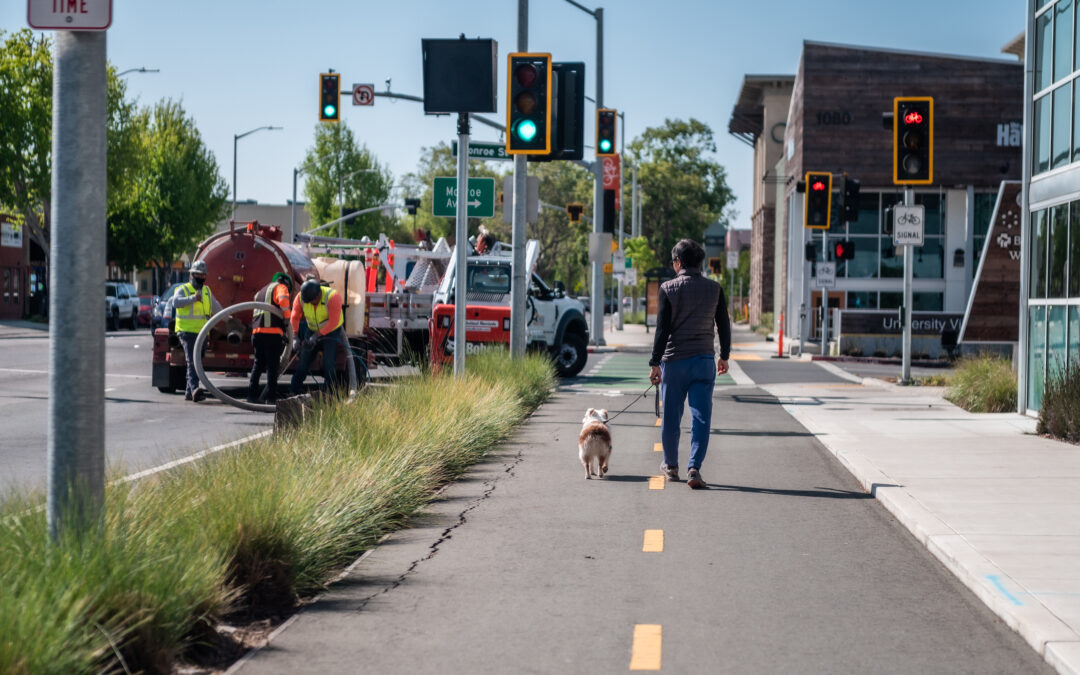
{"x": 690, "y": 305}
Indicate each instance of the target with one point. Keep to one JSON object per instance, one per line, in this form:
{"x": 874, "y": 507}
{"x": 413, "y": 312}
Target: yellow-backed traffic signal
{"x": 528, "y": 105}
{"x": 913, "y": 140}
{"x": 605, "y": 131}
{"x": 818, "y": 209}
{"x": 330, "y": 97}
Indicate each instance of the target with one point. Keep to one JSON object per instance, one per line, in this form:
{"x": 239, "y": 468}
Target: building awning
{"x": 748, "y": 116}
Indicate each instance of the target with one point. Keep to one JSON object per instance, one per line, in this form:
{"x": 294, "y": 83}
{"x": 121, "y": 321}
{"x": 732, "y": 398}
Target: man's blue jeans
{"x": 329, "y": 344}
{"x": 187, "y": 340}
{"x": 690, "y": 379}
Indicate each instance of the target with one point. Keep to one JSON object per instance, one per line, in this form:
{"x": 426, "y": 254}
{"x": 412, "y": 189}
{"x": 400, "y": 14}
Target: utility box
{"x": 459, "y": 75}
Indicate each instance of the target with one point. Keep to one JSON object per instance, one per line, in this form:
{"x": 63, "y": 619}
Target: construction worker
{"x": 268, "y": 337}
{"x": 193, "y": 305}
{"x": 320, "y": 307}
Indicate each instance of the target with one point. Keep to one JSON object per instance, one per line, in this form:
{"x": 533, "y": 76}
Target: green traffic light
{"x": 605, "y": 145}
{"x": 526, "y": 130}
{"x": 329, "y": 110}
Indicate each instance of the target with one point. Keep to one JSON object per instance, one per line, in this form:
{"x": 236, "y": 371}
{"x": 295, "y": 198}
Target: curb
{"x": 1050, "y": 637}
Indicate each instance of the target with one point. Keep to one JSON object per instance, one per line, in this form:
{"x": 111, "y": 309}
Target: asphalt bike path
{"x": 785, "y": 564}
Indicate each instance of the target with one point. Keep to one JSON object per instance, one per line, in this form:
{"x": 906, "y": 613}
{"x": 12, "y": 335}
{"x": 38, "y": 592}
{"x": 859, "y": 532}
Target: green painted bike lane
{"x": 628, "y": 372}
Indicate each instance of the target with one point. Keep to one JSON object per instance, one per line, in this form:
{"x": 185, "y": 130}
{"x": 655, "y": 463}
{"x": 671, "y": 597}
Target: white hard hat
{"x": 198, "y": 267}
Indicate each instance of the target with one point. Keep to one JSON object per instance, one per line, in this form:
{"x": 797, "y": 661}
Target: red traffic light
{"x": 844, "y": 250}
{"x": 818, "y": 186}
{"x": 913, "y": 118}
{"x": 526, "y": 74}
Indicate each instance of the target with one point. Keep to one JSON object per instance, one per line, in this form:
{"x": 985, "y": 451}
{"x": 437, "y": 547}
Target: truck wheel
{"x": 177, "y": 380}
{"x": 114, "y": 320}
{"x": 570, "y": 356}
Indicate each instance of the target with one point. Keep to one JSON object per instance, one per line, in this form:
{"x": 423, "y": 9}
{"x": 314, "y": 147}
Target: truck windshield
{"x": 489, "y": 279}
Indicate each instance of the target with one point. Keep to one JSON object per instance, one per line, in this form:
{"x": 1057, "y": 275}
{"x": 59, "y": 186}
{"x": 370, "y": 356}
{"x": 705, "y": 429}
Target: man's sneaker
{"x": 672, "y": 472}
{"x": 694, "y": 479}
{"x": 198, "y": 395}
{"x": 187, "y": 395}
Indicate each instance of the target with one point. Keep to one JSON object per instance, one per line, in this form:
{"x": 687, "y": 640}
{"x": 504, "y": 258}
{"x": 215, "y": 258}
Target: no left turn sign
{"x": 363, "y": 94}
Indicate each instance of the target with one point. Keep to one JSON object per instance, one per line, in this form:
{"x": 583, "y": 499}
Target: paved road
{"x": 783, "y": 565}
{"x": 144, "y": 428}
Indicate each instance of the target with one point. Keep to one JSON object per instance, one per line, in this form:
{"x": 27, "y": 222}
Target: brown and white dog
{"x": 594, "y": 442}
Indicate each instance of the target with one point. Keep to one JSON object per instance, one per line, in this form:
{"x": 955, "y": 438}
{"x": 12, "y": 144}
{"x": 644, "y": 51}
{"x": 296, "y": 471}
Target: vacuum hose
{"x": 224, "y": 314}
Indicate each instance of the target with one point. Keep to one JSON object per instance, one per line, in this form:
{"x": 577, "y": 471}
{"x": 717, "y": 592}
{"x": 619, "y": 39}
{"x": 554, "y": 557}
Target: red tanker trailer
{"x": 240, "y": 261}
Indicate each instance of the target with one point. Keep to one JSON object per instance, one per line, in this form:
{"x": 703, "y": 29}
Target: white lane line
{"x": 192, "y": 458}
{"x": 45, "y": 372}
{"x": 737, "y": 373}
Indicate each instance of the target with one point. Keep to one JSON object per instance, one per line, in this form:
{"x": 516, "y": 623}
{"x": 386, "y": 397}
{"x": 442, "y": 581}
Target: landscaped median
{"x": 246, "y": 533}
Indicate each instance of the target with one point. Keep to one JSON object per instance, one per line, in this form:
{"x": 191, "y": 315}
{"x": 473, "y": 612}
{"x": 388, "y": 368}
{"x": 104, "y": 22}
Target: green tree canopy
{"x": 684, "y": 189}
{"x": 337, "y": 164}
{"x": 564, "y": 246}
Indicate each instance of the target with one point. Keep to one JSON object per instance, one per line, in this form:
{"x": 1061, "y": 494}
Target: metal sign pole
{"x": 597, "y": 292}
{"x": 519, "y": 282}
{"x": 76, "y": 427}
{"x": 909, "y": 269}
{"x": 461, "y": 245}
{"x": 824, "y": 297}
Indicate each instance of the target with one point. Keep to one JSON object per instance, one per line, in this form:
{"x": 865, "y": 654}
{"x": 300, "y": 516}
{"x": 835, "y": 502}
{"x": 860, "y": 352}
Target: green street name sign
{"x": 483, "y": 150}
{"x": 481, "y": 200}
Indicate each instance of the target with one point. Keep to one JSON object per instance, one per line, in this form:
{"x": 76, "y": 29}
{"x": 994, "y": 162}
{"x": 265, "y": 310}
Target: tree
{"x": 336, "y": 163}
{"x": 684, "y": 190}
{"x": 438, "y": 162}
{"x": 174, "y": 200}
{"x": 564, "y": 246}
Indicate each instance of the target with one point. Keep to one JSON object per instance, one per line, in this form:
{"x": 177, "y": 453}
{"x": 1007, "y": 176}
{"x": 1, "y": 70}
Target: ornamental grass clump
{"x": 244, "y": 533}
{"x": 1059, "y": 415}
{"x": 983, "y": 384}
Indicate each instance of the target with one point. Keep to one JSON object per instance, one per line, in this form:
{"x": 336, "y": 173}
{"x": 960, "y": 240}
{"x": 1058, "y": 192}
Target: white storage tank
{"x": 334, "y": 272}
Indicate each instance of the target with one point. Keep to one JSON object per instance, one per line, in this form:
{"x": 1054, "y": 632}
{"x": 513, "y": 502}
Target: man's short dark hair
{"x": 689, "y": 253}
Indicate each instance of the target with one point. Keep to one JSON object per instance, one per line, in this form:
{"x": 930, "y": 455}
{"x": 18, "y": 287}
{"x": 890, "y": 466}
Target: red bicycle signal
{"x": 818, "y": 186}
{"x": 913, "y": 118}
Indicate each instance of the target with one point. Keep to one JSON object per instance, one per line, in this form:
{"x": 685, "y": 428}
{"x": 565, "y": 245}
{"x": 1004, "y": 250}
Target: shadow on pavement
{"x": 823, "y": 493}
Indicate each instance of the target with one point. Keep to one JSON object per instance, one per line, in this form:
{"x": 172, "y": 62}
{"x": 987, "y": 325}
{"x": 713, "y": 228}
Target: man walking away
{"x": 193, "y": 305}
{"x": 320, "y": 307}
{"x": 682, "y": 357}
{"x": 268, "y": 337}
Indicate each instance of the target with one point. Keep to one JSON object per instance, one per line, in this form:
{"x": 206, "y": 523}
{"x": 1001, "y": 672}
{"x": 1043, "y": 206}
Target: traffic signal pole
{"x": 76, "y": 423}
{"x": 909, "y": 269}
{"x": 618, "y": 275}
{"x": 461, "y": 245}
{"x": 519, "y": 275}
{"x": 597, "y": 292}
{"x": 824, "y": 297}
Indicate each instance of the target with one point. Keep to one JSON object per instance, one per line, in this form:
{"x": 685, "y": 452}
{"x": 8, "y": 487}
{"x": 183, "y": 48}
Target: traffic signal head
{"x": 411, "y": 205}
{"x": 329, "y": 97}
{"x": 528, "y": 105}
{"x": 849, "y": 200}
{"x": 810, "y": 251}
{"x": 913, "y": 140}
{"x": 818, "y": 198}
{"x": 575, "y": 211}
{"x": 844, "y": 250}
{"x": 605, "y": 131}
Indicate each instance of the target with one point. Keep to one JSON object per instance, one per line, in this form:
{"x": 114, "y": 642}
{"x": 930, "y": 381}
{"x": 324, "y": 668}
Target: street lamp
{"x": 237, "y": 137}
{"x": 138, "y": 70}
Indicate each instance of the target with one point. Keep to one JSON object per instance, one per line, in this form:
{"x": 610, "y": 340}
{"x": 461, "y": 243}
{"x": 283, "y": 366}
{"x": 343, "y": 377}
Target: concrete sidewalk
{"x": 23, "y": 329}
{"x": 999, "y": 506}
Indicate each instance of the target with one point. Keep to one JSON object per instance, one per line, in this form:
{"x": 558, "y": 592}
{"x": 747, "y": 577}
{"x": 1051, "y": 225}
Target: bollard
{"x": 780, "y": 350}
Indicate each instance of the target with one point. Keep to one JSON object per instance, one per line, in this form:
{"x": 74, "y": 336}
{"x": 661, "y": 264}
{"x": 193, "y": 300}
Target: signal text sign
{"x": 908, "y": 225}
{"x": 69, "y": 14}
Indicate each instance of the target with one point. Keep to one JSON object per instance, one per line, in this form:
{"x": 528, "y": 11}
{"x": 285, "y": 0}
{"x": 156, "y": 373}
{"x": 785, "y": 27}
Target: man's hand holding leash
{"x": 654, "y": 374}
{"x": 721, "y": 366}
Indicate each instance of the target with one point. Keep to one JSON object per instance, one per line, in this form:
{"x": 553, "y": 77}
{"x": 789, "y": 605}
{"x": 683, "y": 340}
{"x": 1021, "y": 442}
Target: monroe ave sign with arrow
{"x": 481, "y": 199}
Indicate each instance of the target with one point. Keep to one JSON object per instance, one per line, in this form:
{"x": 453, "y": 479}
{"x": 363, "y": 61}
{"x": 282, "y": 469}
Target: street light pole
{"x": 237, "y": 137}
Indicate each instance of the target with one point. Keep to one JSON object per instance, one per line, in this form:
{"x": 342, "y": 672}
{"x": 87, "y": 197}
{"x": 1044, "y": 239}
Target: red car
{"x": 146, "y": 304}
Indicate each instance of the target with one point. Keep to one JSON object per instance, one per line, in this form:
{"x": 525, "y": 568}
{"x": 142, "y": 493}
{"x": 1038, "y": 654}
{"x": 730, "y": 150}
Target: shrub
{"x": 984, "y": 383}
{"x": 1059, "y": 415}
{"x": 766, "y": 325}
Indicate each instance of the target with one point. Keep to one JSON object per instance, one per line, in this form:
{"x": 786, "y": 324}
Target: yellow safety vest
{"x": 317, "y": 316}
{"x": 192, "y": 318}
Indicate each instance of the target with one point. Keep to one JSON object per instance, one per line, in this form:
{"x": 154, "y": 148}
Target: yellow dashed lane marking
{"x": 645, "y": 654}
{"x": 746, "y": 357}
{"x": 658, "y": 447}
{"x": 654, "y": 541}
{"x": 658, "y": 421}
{"x": 656, "y": 482}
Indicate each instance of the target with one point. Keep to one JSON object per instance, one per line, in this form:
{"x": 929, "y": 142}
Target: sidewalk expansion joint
{"x": 448, "y": 533}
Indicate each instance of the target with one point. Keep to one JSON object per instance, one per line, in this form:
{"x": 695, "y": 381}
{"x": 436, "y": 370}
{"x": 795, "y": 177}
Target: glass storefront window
{"x": 1041, "y": 135}
{"x": 865, "y": 263}
{"x": 928, "y": 302}
{"x": 1076, "y": 120}
{"x": 862, "y": 300}
{"x": 984, "y": 211}
{"x": 1074, "y": 336}
{"x": 892, "y": 259}
{"x": 1059, "y": 252}
{"x": 1036, "y": 355}
{"x": 935, "y": 213}
{"x": 891, "y": 300}
{"x": 1062, "y": 125}
{"x": 1037, "y": 279}
{"x": 1074, "y": 247}
{"x": 868, "y": 216}
{"x": 1055, "y": 340}
{"x": 929, "y": 259}
{"x": 1063, "y": 43}
{"x": 1044, "y": 55}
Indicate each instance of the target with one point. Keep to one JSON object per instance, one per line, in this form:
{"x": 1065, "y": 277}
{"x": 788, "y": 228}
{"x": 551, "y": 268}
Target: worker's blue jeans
{"x": 690, "y": 379}
{"x": 187, "y": 340}
{"x": 329, "y": 344}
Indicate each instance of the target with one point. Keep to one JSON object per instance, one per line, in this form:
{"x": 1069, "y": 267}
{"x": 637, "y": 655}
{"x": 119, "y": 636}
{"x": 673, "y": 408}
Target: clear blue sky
{"x": 236, "y": 65}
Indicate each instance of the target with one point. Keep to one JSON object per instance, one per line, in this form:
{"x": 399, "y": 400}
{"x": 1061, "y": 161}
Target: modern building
{"x": 1050, "y": 268}
{"x": 758, "y": 119}
{"x": 835, "y": 125}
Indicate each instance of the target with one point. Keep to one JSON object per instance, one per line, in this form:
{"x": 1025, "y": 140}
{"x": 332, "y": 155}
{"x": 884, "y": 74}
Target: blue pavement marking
{"x": 996, "y": 580}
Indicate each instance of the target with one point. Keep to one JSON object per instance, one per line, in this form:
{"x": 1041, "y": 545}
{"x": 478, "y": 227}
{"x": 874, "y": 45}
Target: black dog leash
{"x": 639, "y": 396}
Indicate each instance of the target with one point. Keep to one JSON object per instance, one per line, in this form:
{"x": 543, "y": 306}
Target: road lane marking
{"x": 192, "y": 458}
{"x": 658, "y": 447}
{"x": 645, "y": 654}
{"x": 746, "y": 357}
{"x": 656, "y": 482}
{"x": 653, "y": 542}
{"x": 45, "y": 372}
{"x": 658, "y": 421}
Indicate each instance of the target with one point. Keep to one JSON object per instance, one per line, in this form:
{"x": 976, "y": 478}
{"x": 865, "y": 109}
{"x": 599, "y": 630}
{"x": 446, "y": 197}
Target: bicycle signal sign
{"x": 908, "y": 225}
